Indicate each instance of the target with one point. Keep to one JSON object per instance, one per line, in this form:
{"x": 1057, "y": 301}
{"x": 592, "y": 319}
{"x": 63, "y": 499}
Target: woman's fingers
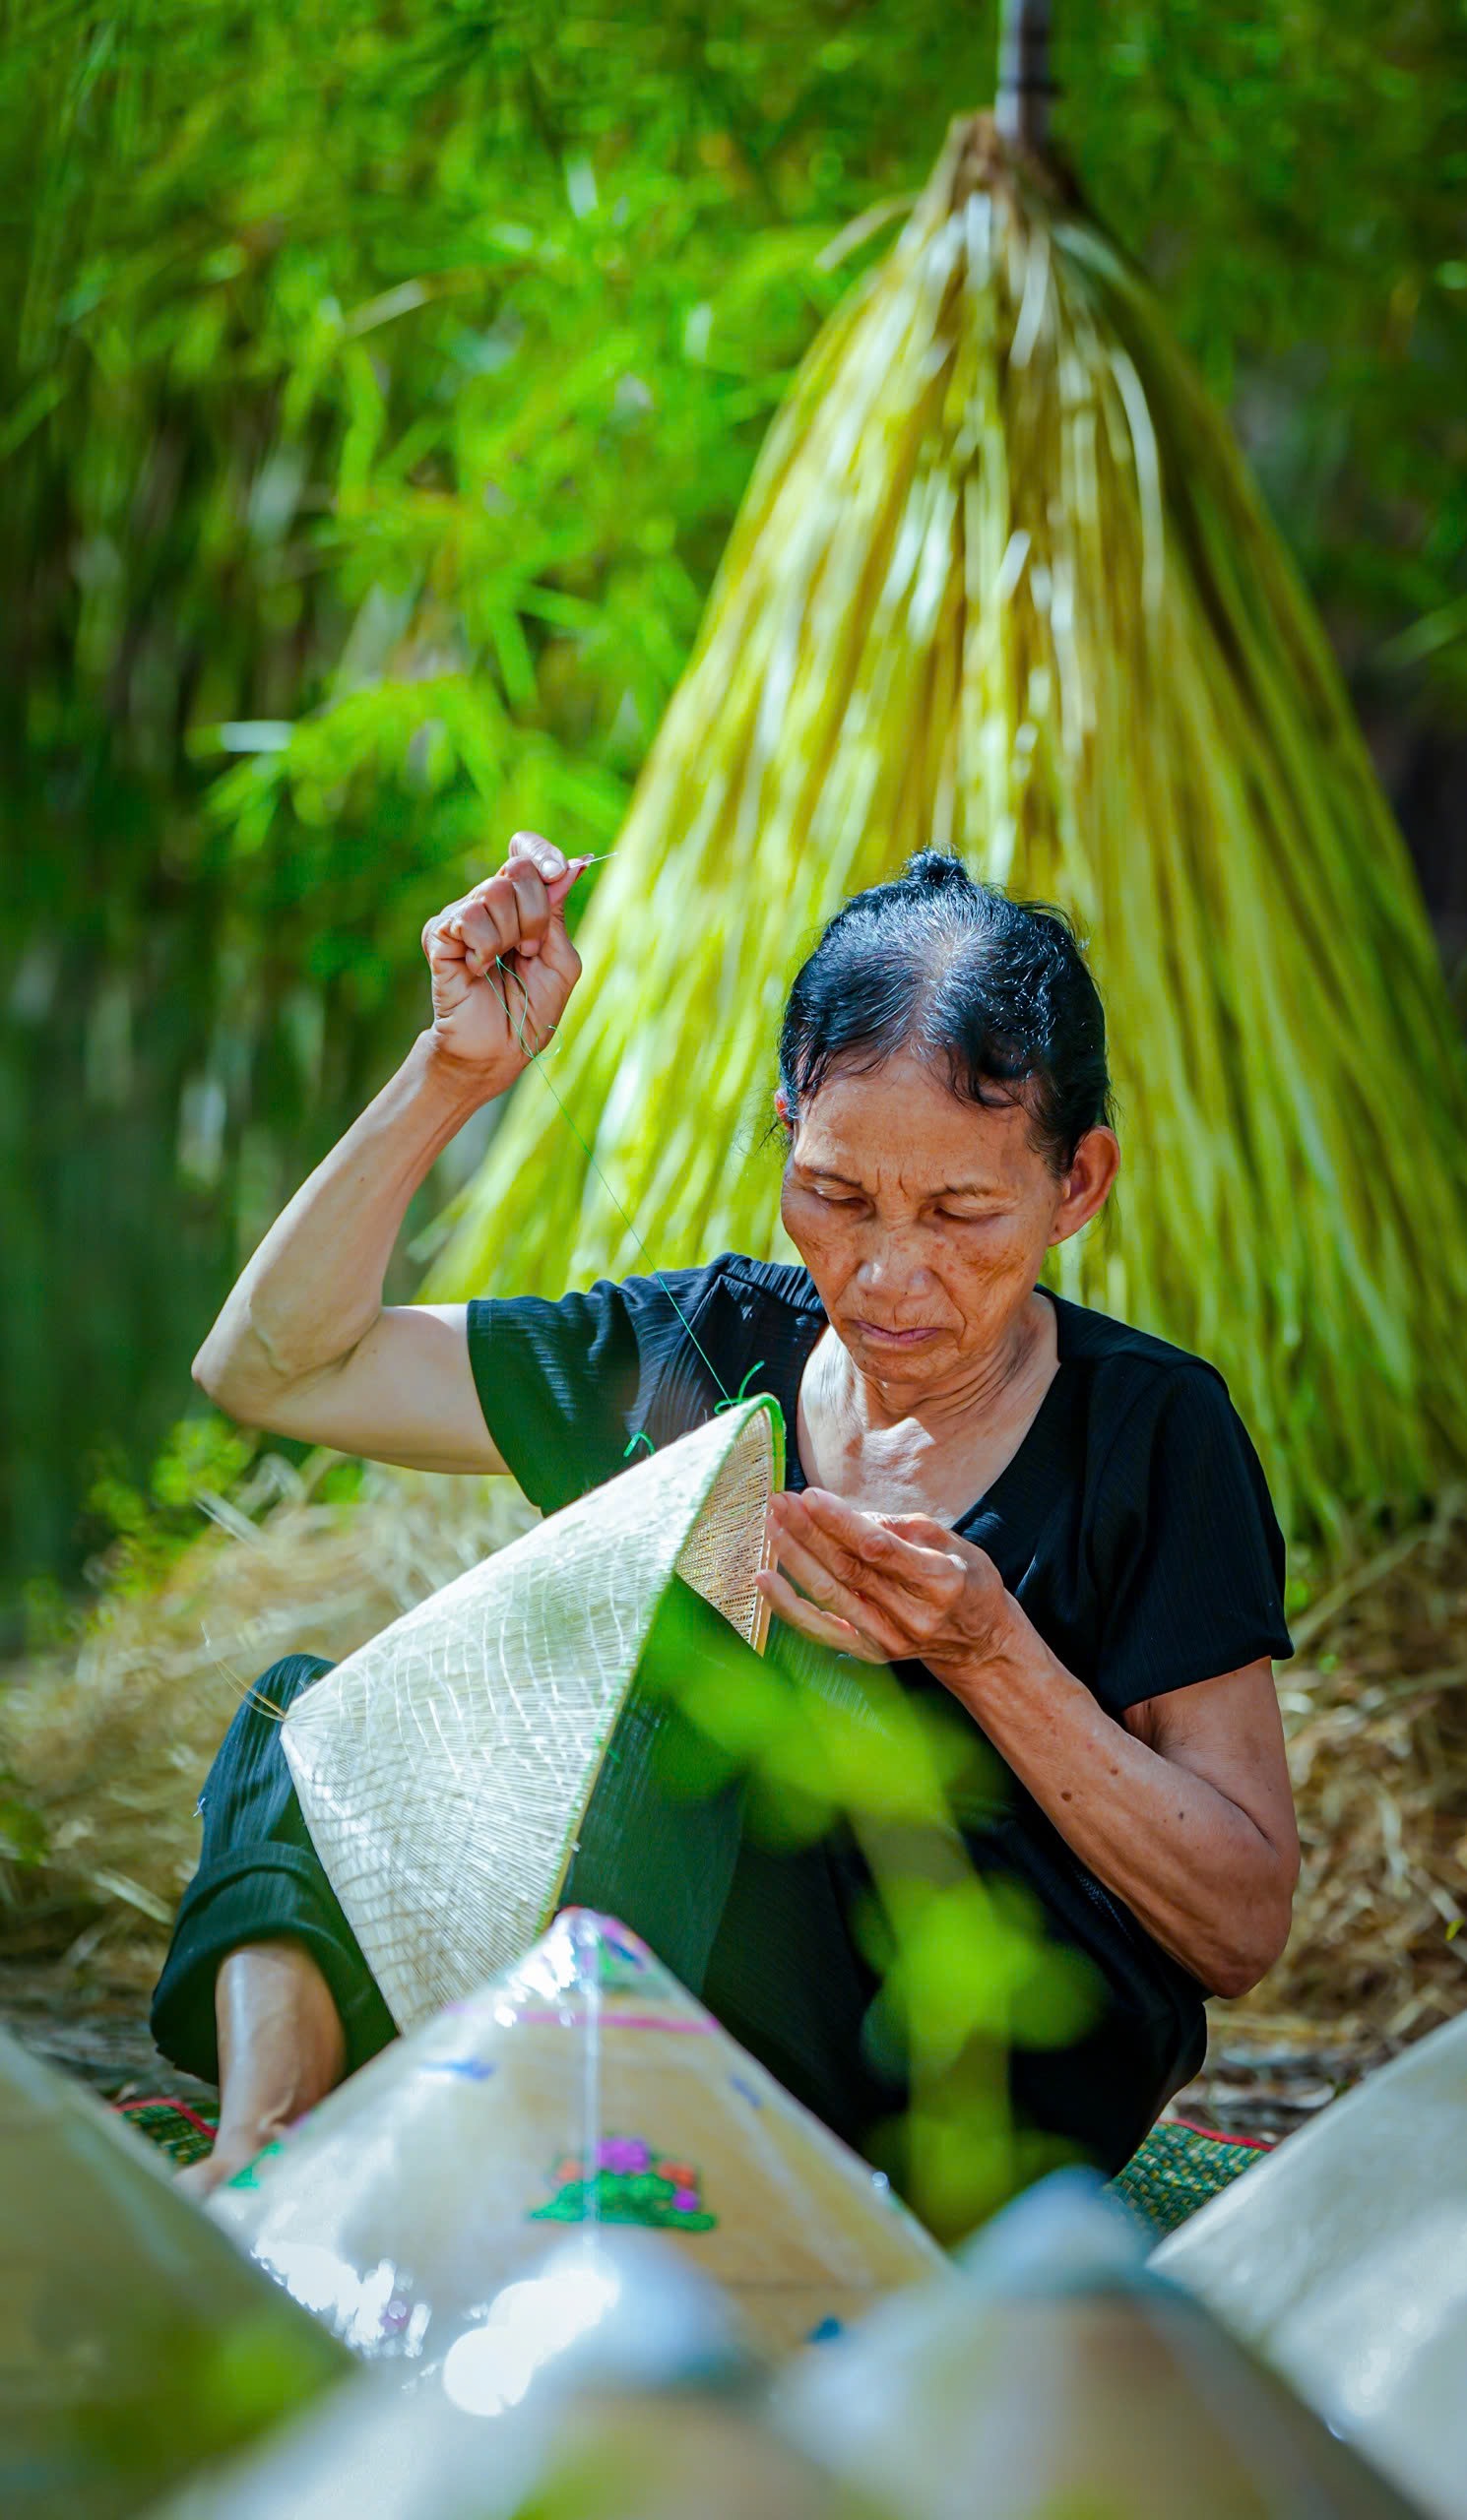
{"x": 558, "y": 956}
{"x": 814, "y": 1575}
{"x": 872, "y": 1609}
{"x": 907, "y": 1583}
{"x": 882, "y": 1536}
{"x": 440, "y": 934}
{"x": 549, "y": 862}
{"x": 922, "y": 1529}
{"x": 860, "y": 1545}
{"x": 557, "y": 872}
{"x": 532, "y": 906}
{"x": 520, "y": 910}
{"x": 502, "y": 965}
{"x": 796, "y": 1529}
{"x": 810, "y": 1621}
{"x": 506, "y": 914}
{"x": 482, "y": 923}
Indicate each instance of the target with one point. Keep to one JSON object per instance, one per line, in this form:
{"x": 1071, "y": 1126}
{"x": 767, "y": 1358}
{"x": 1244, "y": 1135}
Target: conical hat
{"x": 1344, "y": 2258}
{"x": 1051, "y": 2372}
{"x": 444, "y": 1770}
{"x": 135, "y": 2343}
{"x": 583, "y": 2086}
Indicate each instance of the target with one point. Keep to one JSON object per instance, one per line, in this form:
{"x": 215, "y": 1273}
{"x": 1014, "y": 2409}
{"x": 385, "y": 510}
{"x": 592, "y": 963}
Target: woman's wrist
{"x": 460, "y": 1086}
{"x": 1011, "y": 1655}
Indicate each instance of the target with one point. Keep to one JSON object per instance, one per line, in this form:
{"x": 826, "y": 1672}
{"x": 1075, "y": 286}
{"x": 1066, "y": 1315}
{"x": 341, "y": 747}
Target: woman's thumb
{"x": 558, "y": 890}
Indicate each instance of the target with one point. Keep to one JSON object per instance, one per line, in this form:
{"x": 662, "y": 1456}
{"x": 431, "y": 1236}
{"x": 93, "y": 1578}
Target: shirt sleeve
{"x": 567, "y": 1388}
{"x": 1189, "y": 1565}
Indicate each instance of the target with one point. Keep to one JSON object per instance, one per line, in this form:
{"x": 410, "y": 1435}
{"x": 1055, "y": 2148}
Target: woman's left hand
{"x": 886, "y": 1587}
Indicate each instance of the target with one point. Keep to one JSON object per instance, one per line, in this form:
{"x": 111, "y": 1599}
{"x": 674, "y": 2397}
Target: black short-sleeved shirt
{"x": 1134, "y": 1523}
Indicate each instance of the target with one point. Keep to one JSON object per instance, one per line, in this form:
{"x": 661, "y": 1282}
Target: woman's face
{"x": 924, "y": 1220}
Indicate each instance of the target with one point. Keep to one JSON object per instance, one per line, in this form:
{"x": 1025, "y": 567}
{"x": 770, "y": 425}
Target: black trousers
{"x": 260, "y": 1880}
{"x": 787, "y": 1975}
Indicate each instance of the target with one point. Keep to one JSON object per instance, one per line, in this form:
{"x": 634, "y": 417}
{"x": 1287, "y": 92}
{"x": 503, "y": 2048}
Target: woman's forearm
{"x": 1198, "y": 1871}
{"x": 313, "y": 1290}
{"x": 292, "y": 1348}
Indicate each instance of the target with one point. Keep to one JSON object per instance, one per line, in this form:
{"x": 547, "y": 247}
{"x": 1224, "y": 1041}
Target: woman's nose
{"x": 895, "y": 1267}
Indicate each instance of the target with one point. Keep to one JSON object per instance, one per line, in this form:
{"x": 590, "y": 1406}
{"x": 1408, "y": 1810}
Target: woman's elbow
{"x": 1257, "y": 1942}
{"x": 217, "y": 1372}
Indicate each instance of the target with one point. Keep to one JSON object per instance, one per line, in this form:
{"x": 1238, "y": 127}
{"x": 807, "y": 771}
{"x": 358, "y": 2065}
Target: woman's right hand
{"x": 502, "y": 965}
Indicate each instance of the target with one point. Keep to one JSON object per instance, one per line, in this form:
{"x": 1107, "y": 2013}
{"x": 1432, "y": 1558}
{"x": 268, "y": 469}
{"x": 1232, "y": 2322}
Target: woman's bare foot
{"x": 281, "y": 2047}
{"x": 231, "y": 2154}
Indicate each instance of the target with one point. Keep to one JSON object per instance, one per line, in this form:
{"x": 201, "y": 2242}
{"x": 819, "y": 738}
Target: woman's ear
{"x": 1088, "y": 1183}
{"x": 782, "y": 1106}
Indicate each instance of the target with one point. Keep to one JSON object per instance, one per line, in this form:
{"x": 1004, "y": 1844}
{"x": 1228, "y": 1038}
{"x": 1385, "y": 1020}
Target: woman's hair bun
{"x": 936, "y": 870}
{"x": 994, "y": 991}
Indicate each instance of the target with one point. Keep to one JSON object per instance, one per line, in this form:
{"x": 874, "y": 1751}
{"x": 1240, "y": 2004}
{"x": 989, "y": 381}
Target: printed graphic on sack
{"x": 626, "y": 2182}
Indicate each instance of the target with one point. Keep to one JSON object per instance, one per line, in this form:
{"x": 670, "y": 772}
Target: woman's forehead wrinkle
{"x": 923, "y": 1144}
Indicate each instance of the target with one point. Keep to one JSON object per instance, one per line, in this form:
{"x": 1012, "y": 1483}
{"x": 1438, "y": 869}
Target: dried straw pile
{"x": 1376, "y": 1707}
{"x": 110, "y": 1748}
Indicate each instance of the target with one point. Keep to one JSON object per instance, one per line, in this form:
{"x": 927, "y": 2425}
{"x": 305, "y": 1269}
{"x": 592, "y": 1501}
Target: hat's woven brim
{"x": 446, "y": 1768}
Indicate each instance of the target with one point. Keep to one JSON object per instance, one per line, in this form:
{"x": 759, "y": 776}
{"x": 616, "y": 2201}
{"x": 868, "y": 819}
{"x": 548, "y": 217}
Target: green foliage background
{"x": 377, "y": 385}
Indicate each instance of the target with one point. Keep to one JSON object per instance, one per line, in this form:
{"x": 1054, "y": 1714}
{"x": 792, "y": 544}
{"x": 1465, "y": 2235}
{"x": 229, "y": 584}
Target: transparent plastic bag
{"x": 605, "y": 2382}
{"x": 135, "y": 2343}
{"x": 584, "y": 2087}
{"x": 1050, "y": 2373}
{"x": 1343, "y": 2257}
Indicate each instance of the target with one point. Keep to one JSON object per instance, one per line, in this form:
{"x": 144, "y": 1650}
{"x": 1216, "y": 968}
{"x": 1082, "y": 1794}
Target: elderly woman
{"x": 1054, "y": 1519}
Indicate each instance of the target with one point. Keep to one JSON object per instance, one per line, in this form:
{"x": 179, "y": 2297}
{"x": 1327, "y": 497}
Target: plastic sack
{"x": 1344, "y": 2259}
{"x": 1050, "y": 2373}
{"x": 584, "y": 2087}
{"x": 135, "y": 2343}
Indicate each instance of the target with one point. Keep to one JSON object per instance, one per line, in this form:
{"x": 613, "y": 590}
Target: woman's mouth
{"x": 885, "y": 1338}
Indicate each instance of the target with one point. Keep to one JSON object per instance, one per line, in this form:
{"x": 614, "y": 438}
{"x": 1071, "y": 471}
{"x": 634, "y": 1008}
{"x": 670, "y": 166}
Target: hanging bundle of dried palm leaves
{"x": 1000, "y": 582}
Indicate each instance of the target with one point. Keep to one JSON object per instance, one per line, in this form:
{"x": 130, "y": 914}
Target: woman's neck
{"x": 936, "y": 1451}
{"x": 982, "y": 1387}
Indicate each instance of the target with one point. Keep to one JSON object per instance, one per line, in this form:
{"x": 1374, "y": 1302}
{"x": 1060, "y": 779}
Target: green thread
{"x": 743, "y": 1392}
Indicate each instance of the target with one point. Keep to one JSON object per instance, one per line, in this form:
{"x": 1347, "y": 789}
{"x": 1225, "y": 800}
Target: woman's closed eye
{"x": 853, "y": 1200}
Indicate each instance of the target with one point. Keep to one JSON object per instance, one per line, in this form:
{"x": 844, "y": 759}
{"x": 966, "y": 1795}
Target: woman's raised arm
{"x": 303, "y": 1344}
